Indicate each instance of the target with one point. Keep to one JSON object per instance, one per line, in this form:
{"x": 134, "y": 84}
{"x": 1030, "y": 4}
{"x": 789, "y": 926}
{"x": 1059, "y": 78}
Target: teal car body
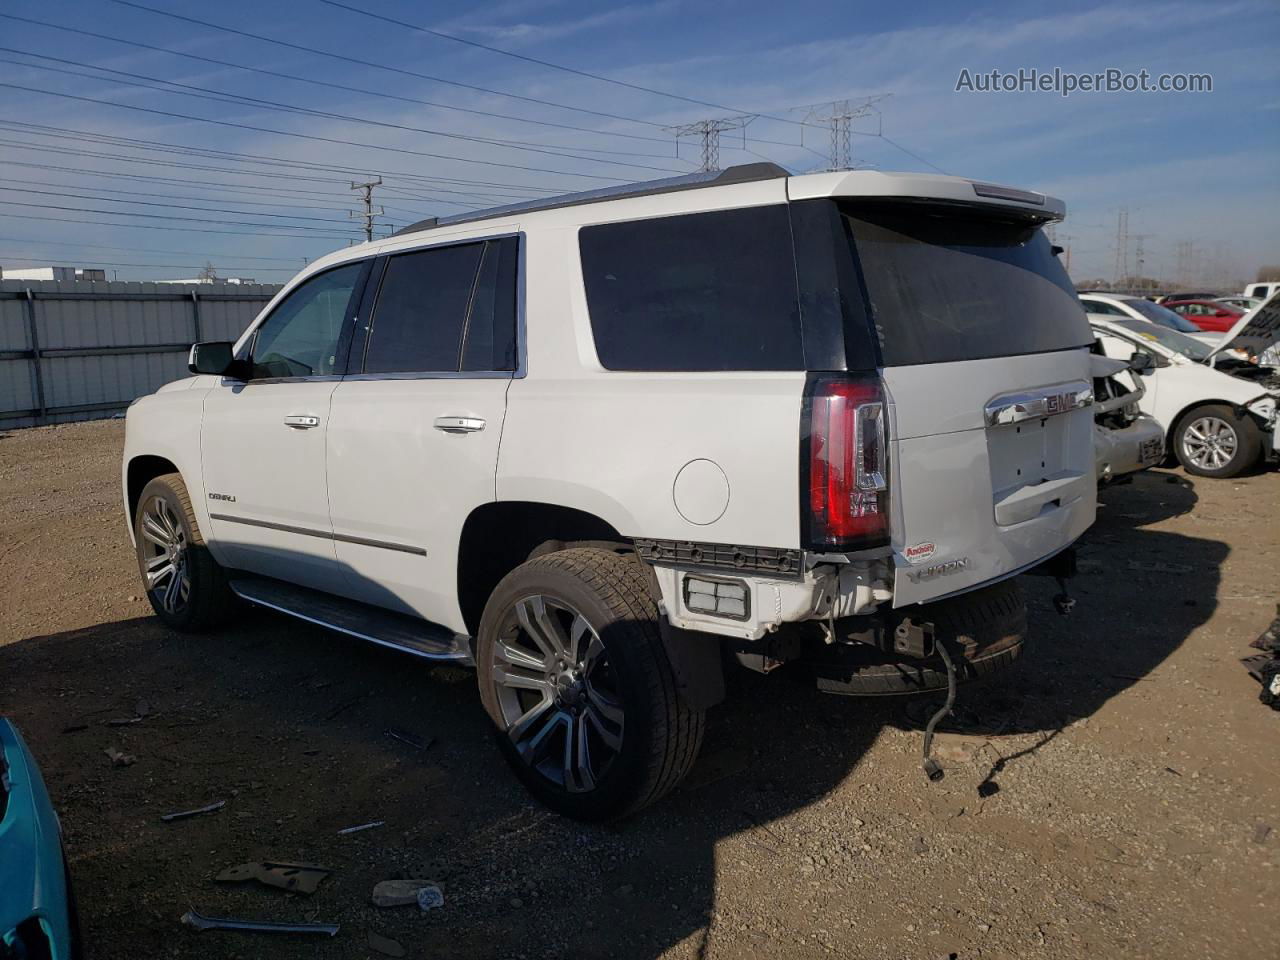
{"x": 37, "y": 918}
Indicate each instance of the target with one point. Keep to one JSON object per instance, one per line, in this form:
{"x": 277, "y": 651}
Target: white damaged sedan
{"x": 1218, "y": 410}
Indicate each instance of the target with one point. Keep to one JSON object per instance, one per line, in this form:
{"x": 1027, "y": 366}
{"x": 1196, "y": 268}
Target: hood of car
{"x": 1257, "y": 331}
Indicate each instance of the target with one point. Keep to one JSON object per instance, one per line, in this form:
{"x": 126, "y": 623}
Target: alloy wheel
{"x": 164, "y": 555}
{"x": 1210, "y": 442}
{"x": 558, "y": 694}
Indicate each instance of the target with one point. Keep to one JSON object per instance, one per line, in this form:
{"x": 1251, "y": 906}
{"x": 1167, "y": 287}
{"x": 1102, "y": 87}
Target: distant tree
{"x": 1266, "y": 274}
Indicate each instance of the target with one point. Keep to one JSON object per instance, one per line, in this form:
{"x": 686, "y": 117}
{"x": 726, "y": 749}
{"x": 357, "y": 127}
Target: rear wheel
{"x": 573, "y": 672}
{"x": 1214, "y": 441}
{"x": 186, "y": 586}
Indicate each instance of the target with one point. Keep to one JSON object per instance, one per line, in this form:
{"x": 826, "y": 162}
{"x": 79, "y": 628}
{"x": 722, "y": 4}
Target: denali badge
{"x": 222, "y": 496}
{"x": 920, "y": 552}
{"x": 938, "y": 570}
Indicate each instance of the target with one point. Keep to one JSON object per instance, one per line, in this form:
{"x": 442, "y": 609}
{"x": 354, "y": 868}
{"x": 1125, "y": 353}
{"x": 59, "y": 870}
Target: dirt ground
{"x": 1109, "y": 798}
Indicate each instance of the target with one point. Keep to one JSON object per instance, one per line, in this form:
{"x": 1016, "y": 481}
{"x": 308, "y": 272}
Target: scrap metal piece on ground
{"x": 1265, "y": 668}
{"x": 402, "y": 893}
{"x": 119, "y": 758}
{"x": 1269, "y": 639}
{"x": 297, "y": 877}
{"x": 404, "y": 736}
{"x": 385, "y": 945}
{"x": 363, "y": 826}
{"x": 183, "y": 814}
{"x": 200, "y": 922}
{"x": 430, "y": 897}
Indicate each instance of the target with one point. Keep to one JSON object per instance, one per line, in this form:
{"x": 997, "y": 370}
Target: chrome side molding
{"x": 1036, "y": 404}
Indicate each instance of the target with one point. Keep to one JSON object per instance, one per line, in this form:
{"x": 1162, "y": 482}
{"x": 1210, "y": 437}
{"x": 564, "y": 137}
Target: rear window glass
{"x": 704, "y": 291}
{"x": 949, "y": 285}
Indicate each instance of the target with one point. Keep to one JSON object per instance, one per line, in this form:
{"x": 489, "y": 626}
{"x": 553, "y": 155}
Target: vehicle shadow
{"x": 289, "y": 724}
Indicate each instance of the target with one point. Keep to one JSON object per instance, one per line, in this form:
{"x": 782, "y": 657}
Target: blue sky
{"x": 1189, "y": 168}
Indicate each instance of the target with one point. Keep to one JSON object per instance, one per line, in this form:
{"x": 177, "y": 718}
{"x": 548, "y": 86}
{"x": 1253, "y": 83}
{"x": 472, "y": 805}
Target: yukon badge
{"x": 222, "y": 496}
{"x": 938, "y": 570}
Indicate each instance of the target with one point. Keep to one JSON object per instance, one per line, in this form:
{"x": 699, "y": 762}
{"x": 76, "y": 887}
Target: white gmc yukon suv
{"x": 603, "y": 445}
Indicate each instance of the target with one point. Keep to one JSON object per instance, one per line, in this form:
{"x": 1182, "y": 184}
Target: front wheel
{"x": 186, "y": 586}
{"x": 574, "y": 675}
{"x": 1214, "y": 441}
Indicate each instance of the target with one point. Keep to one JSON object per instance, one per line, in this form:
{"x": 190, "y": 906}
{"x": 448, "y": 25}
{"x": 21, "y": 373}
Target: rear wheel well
{"x": 498, "y": 537}
{"x": 142, "y": 470}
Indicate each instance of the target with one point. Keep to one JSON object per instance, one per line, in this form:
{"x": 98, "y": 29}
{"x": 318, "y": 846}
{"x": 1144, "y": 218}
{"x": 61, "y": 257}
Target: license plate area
{"x": 1151, "y": 451}
{"x": 1025, "y": 454}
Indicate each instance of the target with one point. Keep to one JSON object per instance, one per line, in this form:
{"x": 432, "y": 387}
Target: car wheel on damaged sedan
{"x": 1212, "y": 441}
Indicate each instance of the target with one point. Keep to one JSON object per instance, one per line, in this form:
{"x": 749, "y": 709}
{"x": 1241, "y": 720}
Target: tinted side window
{"x": 704, "y": 291}
{"x": 446, "y": 309}
{"x": 421, "y": 309}
{"x": 301, "y": 336}
{"x": 489, "y": 342}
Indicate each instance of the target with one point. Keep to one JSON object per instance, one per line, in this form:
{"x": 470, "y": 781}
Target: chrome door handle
{"x": 459, "y": 424}
{"x": 301, "y": 422}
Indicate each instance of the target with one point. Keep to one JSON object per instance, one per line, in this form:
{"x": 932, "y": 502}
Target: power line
{"x": 527, "y": 59}
{"x": 175, "y": 206}
{"x": 300, "y": 136}
{"x": 151, "y": 226}
{"x": 173, "y": 181}
{"x": 103, "y": 246}
{"x": 89, "y": 261}
{"x": 169, "y": 196}
{"x": 42, "y": 148}
{"x": 159, "y": 146}
{"x": 156, "y": 216}
{"x": 235, "y": 99}
{"x": 378, "y": 66}
{"x": 332, "y": 85}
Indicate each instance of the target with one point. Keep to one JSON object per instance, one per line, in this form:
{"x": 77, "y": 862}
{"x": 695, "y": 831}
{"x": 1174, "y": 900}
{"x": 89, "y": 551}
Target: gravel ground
{"x": 1110, "y": 798}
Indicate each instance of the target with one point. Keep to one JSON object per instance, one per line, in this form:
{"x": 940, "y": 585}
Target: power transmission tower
{"x": 1122, "y": 247}
{"x": 838, "y": 116}
{"x": 709, "y": 130}
{"x": 1183, "y": 256}
{"x": 1140, "y": 257}
{"x": 369, "y": 213}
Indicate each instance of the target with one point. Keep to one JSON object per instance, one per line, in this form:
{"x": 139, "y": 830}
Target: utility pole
{"x": 369, "y": 213}
{"x": 838, "y": 116}
{"x": 709, "y": 131}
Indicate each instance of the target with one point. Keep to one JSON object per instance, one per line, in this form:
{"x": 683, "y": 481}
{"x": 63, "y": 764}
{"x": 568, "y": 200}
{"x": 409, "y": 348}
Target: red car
{"x": 1208, "y": 315}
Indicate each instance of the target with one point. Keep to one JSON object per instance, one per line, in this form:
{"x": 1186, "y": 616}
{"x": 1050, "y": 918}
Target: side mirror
{"x": 1141, "y": 362}
{"x": 212, "y": 356}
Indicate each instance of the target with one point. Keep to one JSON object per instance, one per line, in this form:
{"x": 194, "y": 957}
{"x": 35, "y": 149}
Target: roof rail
{"x": 743, "y": 173}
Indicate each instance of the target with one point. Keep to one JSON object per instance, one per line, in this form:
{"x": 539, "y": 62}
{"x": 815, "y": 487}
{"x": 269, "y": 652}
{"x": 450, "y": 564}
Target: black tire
{"x": 1245, "y": 438}
{"x": 660, "y": 733}
{"x": 209, "y": 600}
{"x": 984, "y": 632}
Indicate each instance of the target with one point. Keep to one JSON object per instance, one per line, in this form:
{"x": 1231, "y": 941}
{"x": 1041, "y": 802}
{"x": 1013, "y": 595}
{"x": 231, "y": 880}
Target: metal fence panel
{"x": 74, "y": 350}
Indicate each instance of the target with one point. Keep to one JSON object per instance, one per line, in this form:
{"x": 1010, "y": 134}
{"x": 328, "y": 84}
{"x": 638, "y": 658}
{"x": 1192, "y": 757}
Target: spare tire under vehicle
{"x": 983, "y": 630}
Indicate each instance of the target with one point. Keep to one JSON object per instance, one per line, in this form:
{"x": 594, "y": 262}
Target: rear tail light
{"x": 845, "y": 489}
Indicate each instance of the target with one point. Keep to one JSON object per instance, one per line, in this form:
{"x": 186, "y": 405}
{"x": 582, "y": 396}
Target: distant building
{"x": 212, "y": 280}
{"x": 53, "y": 273}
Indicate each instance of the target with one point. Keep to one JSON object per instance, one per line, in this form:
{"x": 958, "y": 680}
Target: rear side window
{"x": 446, "y": 309}
{"x": 948, "y": 285}
{"x": 703, "y": 291}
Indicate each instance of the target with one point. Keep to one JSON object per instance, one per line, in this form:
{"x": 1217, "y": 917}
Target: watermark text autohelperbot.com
{"x": 1065, "y": 83}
